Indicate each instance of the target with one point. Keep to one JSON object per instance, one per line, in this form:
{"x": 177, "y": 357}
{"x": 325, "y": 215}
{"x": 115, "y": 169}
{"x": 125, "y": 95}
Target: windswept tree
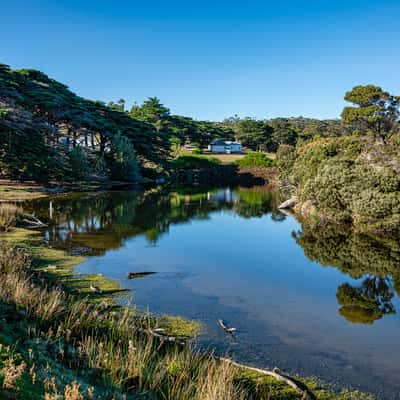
{"x": 153, "y": 112}
{"x": 374, "y": 112}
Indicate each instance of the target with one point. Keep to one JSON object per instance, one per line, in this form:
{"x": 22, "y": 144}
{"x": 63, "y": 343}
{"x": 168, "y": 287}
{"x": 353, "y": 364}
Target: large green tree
{"x": 374, "y": 111}
{"x": 153, "y": 112}
{"x": 254, "y": 134}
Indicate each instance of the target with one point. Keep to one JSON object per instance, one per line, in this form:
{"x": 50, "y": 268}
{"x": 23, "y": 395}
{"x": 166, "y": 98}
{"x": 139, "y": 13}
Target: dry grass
{"x": 9, "y": 214}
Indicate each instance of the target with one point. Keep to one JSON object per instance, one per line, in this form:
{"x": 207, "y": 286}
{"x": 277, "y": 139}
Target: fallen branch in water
{"x": 161, "y": 337}
{"x": 231, "y": 331}
{"x": 274, "y": 373}
{"x": 33, "y": 222}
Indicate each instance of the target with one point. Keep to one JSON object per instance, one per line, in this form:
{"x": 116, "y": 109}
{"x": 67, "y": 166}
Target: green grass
{"x": 194, "y": 161}
{"x": 259, "y": 160}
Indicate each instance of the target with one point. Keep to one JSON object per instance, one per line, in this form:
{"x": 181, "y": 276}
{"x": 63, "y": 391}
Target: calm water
{"x": 309, "y": 302}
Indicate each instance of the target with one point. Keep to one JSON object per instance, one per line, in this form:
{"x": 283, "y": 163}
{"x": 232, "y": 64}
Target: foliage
{"x": 184, "y": 129}
{"x": 256, "y": 159}
{"x": 268, "y": 135}
{"x": 78, "y": 162}
{"x": 285, "y": 159}
{"x": 349, "y": 179}
{"x": 122, "y": 159}
{"x": 254, "y": 134}
{"x": 197, "y": 151}
{"x": 375, "y": 111}
{"x": 45, "y": 121}
{"x": 194, "y": 162}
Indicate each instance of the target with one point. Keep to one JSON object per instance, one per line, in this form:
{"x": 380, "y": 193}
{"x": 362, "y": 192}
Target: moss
{"x": 179, "y": 327}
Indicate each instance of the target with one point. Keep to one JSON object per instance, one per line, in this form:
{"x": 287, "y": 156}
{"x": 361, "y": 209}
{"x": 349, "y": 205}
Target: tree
{"x": 282, "y": 133}
{"x": 374, "y": 111}
{"x": 153, "y": 112}
{"x": 118, "y": 106}
{"x": 255, "y": 134}
{"x": 122, "y": 159}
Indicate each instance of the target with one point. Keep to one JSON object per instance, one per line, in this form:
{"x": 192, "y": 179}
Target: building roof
{"x": 221, "y": 142}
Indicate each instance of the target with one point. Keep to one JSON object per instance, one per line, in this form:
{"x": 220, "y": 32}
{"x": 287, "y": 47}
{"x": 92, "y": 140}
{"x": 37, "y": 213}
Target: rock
{"x": 289, "y": 203}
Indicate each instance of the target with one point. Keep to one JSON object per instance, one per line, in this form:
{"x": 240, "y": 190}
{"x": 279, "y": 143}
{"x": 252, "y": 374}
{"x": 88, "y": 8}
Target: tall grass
{"x": 9, "y": 214}
{"x": 112, "y": 342}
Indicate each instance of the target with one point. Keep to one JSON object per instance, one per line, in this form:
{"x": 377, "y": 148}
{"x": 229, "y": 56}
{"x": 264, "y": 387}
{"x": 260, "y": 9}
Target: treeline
{"x": 268, "y": 134}
{"x": 48, "y": 132}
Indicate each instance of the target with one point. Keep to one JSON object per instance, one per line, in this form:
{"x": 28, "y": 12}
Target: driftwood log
{"x": 32, "y": 221}
{"x": 274, "y": 373}
{"x": 230, "y": 331}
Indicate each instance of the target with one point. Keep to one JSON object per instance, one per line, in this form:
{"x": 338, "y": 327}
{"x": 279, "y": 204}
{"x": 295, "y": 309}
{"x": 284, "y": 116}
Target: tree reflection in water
{"x": 372, "y": 259}
{"x": 96, "y": 222}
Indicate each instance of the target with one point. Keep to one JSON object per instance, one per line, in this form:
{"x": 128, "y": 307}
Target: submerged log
{"x": 289, "y": 203}
{"x": 133, "y": 275}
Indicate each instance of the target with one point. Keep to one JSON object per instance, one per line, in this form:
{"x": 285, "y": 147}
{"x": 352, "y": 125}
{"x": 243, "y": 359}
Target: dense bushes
{"x": 350, "y": 179}
{"x": 194, "y": 161}
{"x": 256, "y": 160}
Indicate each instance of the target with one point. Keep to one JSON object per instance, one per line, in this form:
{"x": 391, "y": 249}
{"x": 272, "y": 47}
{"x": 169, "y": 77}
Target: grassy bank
{"x": 58, "y": 339}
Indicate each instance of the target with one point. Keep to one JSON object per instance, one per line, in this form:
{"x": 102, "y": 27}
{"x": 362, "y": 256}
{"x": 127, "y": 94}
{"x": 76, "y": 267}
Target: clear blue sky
{"x": 209, "y": 59}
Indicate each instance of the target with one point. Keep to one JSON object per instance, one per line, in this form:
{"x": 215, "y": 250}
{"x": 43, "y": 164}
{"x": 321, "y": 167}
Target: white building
{"x": 224, "y": 146}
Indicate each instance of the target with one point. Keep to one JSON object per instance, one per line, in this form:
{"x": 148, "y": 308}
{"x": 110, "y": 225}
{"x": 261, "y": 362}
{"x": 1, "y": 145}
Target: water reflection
{"x": 374, "y": 259}
{"x": 96, "y": 222}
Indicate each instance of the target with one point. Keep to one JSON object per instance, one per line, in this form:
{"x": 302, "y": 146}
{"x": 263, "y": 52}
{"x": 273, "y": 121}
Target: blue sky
{"x": 209, "y": 59}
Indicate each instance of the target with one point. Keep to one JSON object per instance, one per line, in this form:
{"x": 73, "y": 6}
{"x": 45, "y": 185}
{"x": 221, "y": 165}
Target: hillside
{"x": 47, "y": 132}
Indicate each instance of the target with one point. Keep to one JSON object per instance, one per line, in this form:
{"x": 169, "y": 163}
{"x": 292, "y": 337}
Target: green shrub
{"x": 256, "y": 160}
{"x": 285, "y": 158}
{"x": 349, "y": 180}
{"x": 197, "y": 151}
{"x": 194, "y": 162}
